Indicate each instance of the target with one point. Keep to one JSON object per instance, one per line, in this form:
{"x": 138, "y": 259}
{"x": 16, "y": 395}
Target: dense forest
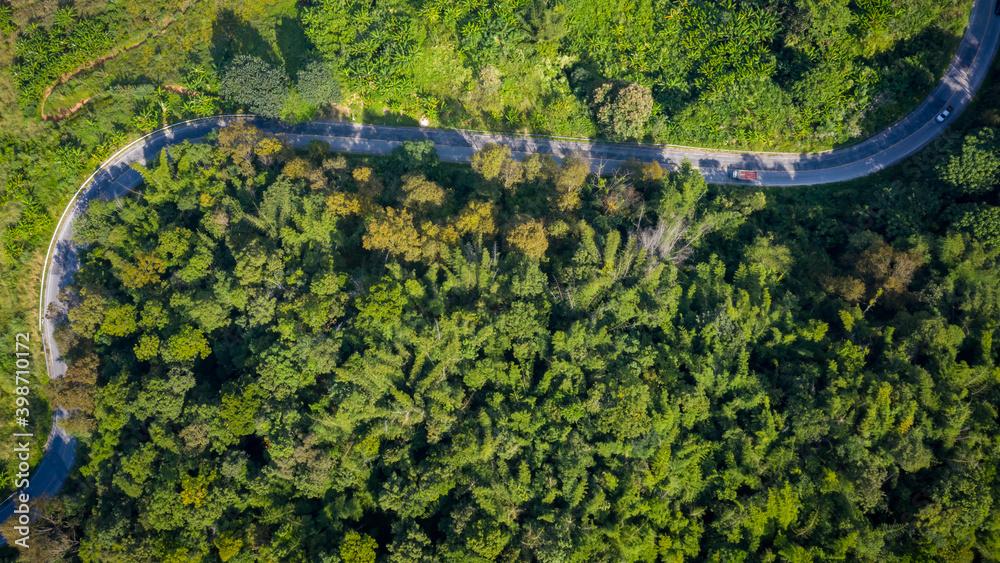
{"x": 281, "y": 356}
{"x": 749, "y": 73}
{"x": 307, "y": 357}
{"x": 775, "y": 74}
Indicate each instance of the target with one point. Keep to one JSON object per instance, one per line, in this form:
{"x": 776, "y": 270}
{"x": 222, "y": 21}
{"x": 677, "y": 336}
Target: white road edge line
{"x": 69, "y": 205}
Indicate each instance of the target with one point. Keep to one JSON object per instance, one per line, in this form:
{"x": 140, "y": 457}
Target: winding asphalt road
{"x": 115, "y": 178}
{"x": 965, "y": 74}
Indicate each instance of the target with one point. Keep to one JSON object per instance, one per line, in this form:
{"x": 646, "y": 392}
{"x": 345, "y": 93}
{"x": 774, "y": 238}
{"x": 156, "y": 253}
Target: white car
{"x": 944, "y": 114}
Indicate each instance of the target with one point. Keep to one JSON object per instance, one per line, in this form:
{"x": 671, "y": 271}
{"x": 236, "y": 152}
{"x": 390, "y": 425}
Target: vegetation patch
{"x": 521, "y": 361}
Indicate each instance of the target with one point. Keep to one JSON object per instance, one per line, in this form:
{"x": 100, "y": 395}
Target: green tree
{"x": 252, "y": 83}
{"x": 119, "y": 321}
{"x": 490, "y": 159}
{"x": 684, "y": 219}
{"x": 569, "y": 178}
{"x": 187, "y": 344}
{"x": 976, "y": 168}
{"x": 357, "y": 548}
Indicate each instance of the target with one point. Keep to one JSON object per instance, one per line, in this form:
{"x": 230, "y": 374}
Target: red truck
{"x": 744, "y": 175}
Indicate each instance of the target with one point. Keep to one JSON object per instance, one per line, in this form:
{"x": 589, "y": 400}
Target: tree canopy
{"x": 391, "y": 359}
{"x": 793, "y": 74}
{"x": 255, "y": 84}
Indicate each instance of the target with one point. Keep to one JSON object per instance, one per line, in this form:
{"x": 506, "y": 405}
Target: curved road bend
{"x": 963, "y": 78}
{"x": 50, "y": 475}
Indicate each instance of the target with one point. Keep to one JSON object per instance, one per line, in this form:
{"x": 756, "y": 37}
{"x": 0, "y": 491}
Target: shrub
{"x": 255, "y": 85}
{"x": 317, "y": 86}
{"x": 296, "y": 110}
{"x": 42, "y": 55}
{"x": 983, "y": 221}
{"x": 976, "y": 168}
{"x": 6, "y": 23}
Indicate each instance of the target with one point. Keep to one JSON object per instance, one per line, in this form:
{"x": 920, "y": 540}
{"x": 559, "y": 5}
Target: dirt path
{"x": 67, "y": 112}
{"x": 64, "y": 113}
{"x": 181, "y": 90}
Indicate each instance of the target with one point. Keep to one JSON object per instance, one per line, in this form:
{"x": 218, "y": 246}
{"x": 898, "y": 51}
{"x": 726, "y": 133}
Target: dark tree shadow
{"x": 792, "y": 65}
{"x": 232, "y": 36}
{"x": 911, "y": 62}
{"x": 672, "y": 100}
{"x": 295, "y": 46}
{"x": 583, "y": 77}
{"x": 124, "y": 80}
{"x": 907, "y": 73}
{"x": 372, "y": 116}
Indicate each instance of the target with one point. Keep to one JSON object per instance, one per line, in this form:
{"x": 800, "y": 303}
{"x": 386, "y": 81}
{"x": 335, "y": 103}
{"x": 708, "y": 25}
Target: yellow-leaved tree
{"x": 478, "y": 217}
{"x": 393, "y": 231}
{"x": 528, "y": 237}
